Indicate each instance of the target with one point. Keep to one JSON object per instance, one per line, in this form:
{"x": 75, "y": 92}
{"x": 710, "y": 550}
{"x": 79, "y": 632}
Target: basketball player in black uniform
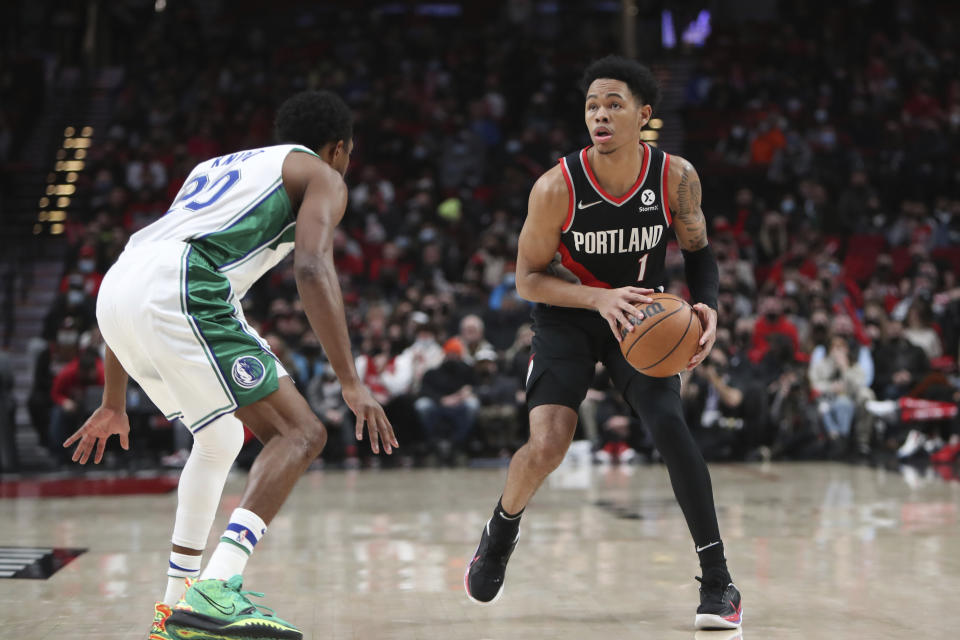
{"x": 593, "y": 245}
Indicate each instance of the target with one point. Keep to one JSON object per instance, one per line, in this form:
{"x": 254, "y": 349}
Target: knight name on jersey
{"x": 618, "y": 240}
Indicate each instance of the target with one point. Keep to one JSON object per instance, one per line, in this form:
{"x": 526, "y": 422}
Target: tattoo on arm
{"x": 691, "y": 224}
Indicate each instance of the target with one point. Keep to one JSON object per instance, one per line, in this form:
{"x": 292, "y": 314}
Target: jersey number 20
{"x": 202, "y": 193}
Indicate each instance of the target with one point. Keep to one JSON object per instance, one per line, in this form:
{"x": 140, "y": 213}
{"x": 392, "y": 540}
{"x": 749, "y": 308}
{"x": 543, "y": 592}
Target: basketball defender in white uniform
{"x": 170, "y": 313}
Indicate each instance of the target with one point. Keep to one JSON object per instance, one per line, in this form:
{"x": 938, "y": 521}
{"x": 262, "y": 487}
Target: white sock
{"x": 236, "y": 545}
{"x": 182, "y": 566}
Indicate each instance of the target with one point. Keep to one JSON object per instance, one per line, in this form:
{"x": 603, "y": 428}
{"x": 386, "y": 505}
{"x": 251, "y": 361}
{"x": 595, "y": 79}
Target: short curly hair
{"x": 638, "y": 78}
{"x": 313, "y": 119}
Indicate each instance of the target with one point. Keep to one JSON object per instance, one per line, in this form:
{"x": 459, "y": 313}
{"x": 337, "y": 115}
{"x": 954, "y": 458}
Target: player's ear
{"x": 331, "y": 152}
{"x": 645, "y": 112}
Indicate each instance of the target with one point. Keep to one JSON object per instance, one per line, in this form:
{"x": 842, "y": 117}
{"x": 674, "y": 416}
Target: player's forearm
{"x": 537, "y": 286}
{"x": 703, "y": 275}
{"x": 114, "y": 383}
{"x": 323, "y": 303}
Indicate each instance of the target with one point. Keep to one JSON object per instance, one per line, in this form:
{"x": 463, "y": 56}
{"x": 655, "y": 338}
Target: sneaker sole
{"x": 193, "y": 626}
{"x": 466, "y": 578}
{"x": 718, "y": 634}
{"x": 707, "y": 621}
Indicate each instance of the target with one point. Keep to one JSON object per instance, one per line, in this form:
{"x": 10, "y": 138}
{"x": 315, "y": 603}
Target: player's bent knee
{"x": 318, "y": 439}
{"x": 546, "y": 456}
{"x": 312, "y": 438}
{"x": 221, "y": 439}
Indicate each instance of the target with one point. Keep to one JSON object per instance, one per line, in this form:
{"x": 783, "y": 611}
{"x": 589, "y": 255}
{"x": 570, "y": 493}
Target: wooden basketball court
{"x": 818, "y": 550}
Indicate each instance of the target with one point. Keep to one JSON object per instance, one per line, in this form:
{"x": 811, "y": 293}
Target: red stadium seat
{"x": 862, "y": 252}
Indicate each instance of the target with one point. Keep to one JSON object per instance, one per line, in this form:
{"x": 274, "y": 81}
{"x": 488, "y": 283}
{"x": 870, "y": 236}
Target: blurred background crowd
{"x": 826, "y": 140}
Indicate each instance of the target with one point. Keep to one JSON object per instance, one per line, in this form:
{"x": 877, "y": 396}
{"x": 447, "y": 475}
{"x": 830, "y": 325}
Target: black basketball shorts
{"x": 567, "y": 345}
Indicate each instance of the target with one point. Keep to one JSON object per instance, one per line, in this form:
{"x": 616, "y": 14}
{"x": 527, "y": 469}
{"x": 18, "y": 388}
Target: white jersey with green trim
{"x": 235, "y": 212}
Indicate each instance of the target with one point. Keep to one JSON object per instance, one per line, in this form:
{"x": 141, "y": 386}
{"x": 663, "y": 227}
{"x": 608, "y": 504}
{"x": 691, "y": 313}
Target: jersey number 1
{"x": 643, "y": 266}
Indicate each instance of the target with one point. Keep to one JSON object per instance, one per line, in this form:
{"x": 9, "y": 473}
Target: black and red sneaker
{"x": 483, "y": 580}
{"x": 720, "y": 605}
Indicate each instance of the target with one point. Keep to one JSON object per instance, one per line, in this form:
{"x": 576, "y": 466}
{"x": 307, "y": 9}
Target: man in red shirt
{"x": 770, "y": 321}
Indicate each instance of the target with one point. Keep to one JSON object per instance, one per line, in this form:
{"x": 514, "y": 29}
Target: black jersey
{"x": 613, "y": 242}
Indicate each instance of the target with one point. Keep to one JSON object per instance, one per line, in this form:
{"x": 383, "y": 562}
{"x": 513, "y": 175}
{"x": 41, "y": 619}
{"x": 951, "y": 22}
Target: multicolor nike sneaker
{"x": 158, "y": 631}
{"x": 219, "y": 610}
{"x": 720, "y": 605}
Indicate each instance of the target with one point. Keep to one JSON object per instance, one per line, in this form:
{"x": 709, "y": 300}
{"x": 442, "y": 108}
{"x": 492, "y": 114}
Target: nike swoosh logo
{"x": 712, "y": 544}
{"x": 580, "y": 204}
{"x": 734, "y": 617}
{"x": 215, "y": 605}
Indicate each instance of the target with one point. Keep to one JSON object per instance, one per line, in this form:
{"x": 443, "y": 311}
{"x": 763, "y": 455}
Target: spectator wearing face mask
{"x": 900, "y": 364}
{"x": 734, "y": 149}
{"x": 72, "y": 302}
{"x": 771, "y": 321}
{"x": 85, "y": 277}
{"x": 946, "y": 213}
{"x": 308, "y": 360}
{"x": 424, "y": 354}
{"x": 919, "y": 330}
{"x": 501, "y": 402}
{"x": 447, "y": 404}
{"x": 842, "y": 325}
{"x": 840, "y": 385}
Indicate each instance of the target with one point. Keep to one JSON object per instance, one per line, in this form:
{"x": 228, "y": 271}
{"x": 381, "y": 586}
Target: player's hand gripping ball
{"x": 663, "y": 342}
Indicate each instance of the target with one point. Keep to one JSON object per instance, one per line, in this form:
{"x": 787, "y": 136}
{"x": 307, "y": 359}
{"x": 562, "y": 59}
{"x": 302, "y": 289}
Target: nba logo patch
{"x": 647, "y": 197}
{"x": 247, "y": 371}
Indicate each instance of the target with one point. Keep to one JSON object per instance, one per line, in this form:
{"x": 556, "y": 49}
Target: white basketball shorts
{"x": 177, "y": 328}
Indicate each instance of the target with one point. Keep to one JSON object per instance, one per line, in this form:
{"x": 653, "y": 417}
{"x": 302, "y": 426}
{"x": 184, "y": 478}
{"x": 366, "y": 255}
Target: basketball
{"x": 663, "y": 342}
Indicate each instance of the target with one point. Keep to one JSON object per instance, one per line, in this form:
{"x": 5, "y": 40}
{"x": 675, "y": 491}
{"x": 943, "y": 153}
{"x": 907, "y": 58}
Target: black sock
{"x": 503, "y": 523}
{"x": 712, "y": 559}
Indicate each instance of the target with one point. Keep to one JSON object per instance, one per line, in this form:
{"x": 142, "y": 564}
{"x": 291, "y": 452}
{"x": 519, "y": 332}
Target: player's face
{"x": 614, "y": 116}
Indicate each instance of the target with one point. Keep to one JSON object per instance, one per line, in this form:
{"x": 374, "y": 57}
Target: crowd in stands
{"x": 828, "y": 161}
{"x": 835, "y": 136}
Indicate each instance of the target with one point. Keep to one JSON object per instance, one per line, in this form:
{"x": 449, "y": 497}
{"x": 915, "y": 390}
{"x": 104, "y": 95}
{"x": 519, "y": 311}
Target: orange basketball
{"x": 662, "y": 344}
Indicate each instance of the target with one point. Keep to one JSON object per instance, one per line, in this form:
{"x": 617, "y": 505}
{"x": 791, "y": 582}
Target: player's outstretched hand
{"x": 369, "y": 412}
{"x": 96, "y": 431}
{"x": 708, "y": 320}
{"x": 616, "y": 304}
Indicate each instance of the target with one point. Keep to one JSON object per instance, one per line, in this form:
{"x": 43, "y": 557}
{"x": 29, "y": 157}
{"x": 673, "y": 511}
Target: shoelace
{"x": 235, "y": 586}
